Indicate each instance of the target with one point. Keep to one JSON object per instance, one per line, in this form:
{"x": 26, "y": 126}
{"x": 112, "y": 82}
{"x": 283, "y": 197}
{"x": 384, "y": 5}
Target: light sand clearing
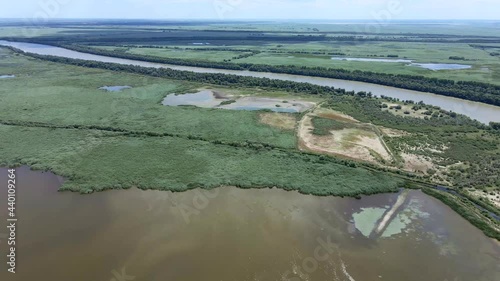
{"x": 278, "y": 120}
{"x": 352, "y": 143}
{"x": 493, "y": 198}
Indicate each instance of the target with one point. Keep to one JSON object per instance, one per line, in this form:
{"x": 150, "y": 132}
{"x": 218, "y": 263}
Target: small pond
{"x": 114, "y": 88}
{"x": 6, "y": 76}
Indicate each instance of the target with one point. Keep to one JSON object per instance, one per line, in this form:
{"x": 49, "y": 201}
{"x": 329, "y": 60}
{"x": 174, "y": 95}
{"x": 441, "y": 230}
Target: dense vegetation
{"x": 466, "y": 209}
{"x": 99, "y": 139}
{"x": 474, "y": 91}
{"x": 448, "y": 140}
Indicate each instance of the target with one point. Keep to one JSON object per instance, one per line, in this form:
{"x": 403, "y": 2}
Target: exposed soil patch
{"x": 351, "y": 143}
{"x": 493, "y": 195}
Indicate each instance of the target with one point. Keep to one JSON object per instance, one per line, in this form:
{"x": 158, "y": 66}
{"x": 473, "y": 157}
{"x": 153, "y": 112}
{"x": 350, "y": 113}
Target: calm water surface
{"x": 233, "y": 234}
{"x": 479, "y": 111}
{"x": 114, "y": 88}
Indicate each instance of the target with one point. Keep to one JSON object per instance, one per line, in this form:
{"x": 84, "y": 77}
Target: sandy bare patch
{"x": 416, "y": 163}
{"x": 278, "y": 120}
{"x": 351, "y": 143}
{"x": 405, "y": 108}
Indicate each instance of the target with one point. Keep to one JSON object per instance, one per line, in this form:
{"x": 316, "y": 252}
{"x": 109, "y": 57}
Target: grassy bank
{"x": 466, "y": 209}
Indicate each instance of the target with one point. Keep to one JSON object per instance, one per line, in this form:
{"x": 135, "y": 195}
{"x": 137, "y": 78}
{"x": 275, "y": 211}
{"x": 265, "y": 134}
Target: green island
{"x": 99, "y": 140}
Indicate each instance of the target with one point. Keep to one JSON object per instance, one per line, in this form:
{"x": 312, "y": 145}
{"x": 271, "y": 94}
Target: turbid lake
{"x": 231, "y": 234}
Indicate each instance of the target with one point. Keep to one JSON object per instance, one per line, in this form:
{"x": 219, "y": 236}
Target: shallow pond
{"x": 7, "y": 76}
{"x": 209, "y": 99}
{"x": 235, "y": 234}
{"x": 114, "y": 88}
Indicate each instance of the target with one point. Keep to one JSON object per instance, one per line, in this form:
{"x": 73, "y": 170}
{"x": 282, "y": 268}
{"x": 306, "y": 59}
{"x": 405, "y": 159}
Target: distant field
{"x": 485, "y": 67}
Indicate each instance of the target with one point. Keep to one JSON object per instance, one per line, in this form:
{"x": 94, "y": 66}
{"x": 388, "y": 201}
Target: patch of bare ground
{"x": 392, "y": 132}
{"x": 350, "y": 143}
{"x": 278, "y": 120}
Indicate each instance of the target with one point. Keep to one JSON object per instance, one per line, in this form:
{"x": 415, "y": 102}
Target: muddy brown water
{"x": 234, "y": 234}
{"x": 480, "y": 111}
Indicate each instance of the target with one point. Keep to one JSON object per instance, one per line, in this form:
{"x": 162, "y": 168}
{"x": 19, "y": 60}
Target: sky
{"x": 252, "y": 9}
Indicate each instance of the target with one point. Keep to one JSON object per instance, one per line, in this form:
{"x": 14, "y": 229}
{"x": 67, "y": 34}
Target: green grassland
{"x": 468, "y": 154}
{"x": 94, "y": 161}
{"x": 302, "y": 44}
{"x": 61, "y": 122}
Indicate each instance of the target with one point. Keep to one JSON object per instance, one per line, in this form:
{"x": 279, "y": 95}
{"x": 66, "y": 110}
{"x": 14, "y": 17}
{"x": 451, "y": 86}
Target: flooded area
{"x": 482, "y": 112}
{"x": 431, "y": 66}
{"x": 214, "y": 99}
{"x": 234, "y": 234}
{"x": 114, "y": 88}
{"x": 7, "y": 76}
{"x": 442, "y": 66}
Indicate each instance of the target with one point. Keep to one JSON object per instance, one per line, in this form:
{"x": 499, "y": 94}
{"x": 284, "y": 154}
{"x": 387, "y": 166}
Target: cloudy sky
{"x": 252, "y": 9}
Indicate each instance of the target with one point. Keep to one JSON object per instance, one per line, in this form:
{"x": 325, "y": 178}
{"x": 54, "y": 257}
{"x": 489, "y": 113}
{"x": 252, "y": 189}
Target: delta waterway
{"x": 234, "y": 234}
{"x": 482, "y": 112}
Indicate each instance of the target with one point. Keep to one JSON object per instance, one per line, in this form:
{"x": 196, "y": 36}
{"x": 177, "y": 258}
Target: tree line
{"x": 468, "y": 90}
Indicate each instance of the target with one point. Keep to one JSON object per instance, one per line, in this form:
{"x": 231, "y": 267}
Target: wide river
{"x": 479, "y": 111}
{"x": 231, "y": 234}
